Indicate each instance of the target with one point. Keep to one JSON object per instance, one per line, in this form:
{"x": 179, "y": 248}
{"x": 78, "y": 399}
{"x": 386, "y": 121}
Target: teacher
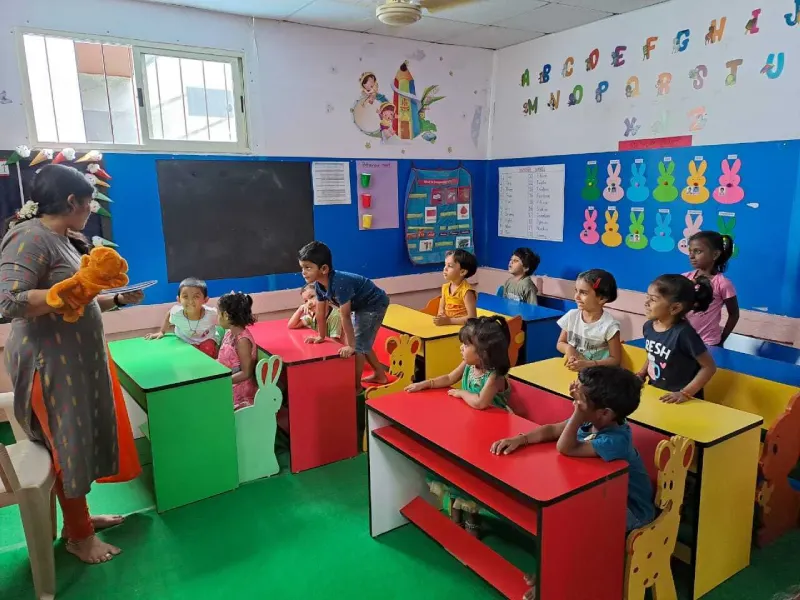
{"x": 63, "y": 389}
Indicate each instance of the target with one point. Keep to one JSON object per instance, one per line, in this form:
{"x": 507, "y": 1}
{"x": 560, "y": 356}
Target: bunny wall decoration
{"x": 636, "y": 239}
{"x": 729, "y": 190}
{"x": 692, "y": 227}
{"x": 662, "y": 241}
{"x": 589, "y": 234}
{"x": 726, "y": 225}
{"x": 696, "y": 191}
{"x": 612, "y": 237}
{"x": 666, "y": 190}
{"x": 614, "y": 191}
{"x": 637, "y": 190}
{"x": 590, "y": 190}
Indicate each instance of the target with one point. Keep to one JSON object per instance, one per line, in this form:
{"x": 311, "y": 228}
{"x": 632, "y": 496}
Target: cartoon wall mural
{"x": 402, "y": 118}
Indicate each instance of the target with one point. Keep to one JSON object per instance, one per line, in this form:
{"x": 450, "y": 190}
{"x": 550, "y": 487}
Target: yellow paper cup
{"x": 366, "y": 221}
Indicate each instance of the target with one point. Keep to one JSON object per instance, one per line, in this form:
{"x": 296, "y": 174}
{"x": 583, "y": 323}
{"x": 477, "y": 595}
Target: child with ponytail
{"x": 709, "y": 253}
{"x": 678, "y": 361}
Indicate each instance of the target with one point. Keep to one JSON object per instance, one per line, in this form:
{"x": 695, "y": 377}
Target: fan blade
{"x": 437, "y": 5}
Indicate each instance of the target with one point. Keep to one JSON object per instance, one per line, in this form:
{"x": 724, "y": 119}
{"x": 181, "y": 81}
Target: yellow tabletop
{"x": 414, "y": 322}
{"x": 704, "y": 422}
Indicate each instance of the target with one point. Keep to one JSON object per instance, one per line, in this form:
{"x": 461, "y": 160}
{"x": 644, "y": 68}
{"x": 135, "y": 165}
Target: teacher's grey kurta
{"x": 70, "y": 358}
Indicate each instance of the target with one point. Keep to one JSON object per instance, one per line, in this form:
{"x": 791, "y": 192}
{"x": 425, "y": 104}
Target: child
{"x": 677, "y": 359}
{"x": 602, "y": 399}
{"x": 590, "y": 335}
{"x": 192, "y": 321}
{"x": 362, "y": 306}
{"x": 520, "y": 286}
{"x": 458, "y": 302}
{"x": 238, "y": 350}
{"x": 482, "y": 372}
{"x": 709, "y": 253}
{"x": 305, "y": 316}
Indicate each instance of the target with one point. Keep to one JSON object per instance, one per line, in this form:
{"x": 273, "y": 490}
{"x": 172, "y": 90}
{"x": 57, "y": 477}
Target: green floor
{"x": 293, "y": 536}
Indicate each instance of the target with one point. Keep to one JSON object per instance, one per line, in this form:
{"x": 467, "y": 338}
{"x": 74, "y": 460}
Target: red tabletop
{"x": 275, "y": 337}
{"x": 539, "y": 472}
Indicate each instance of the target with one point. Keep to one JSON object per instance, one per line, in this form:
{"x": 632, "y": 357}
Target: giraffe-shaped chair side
{"x": 403, "y": 350}
{"x": 778, "y": 504}
{"x": 650, "y": 548}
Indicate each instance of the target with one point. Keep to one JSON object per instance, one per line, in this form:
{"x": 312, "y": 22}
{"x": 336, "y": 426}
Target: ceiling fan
{"x": 398, "y": 13}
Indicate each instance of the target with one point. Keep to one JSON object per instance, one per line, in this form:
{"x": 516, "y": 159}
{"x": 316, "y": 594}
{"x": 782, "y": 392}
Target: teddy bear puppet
{"x": 102, "y": 269}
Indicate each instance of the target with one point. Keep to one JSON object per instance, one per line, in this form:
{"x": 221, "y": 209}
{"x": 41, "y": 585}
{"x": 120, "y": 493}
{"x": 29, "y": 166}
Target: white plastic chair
{"x": 26, "y": 479}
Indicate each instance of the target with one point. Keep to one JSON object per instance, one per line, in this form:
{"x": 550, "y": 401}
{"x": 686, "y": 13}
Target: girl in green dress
{"x": 482, "y": 372}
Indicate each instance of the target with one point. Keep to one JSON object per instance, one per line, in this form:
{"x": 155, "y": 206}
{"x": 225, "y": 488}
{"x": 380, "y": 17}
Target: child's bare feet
{"x": 375, "y": 378}
{"x": 92, "y": 550}
{"x": 101, "y": 522}
{"x": 531, "y": 593}
{"x": 472, "y": 525}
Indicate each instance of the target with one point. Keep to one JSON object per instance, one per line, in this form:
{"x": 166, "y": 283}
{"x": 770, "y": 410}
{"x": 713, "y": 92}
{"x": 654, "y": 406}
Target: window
{"x": 108, "y": 94}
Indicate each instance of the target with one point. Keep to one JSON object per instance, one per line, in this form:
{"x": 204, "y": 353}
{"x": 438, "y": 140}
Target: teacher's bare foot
{"x": 92, "y": 550}
{"x": 101, "y": 522}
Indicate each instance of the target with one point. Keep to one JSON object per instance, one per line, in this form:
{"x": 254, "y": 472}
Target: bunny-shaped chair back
{"x": 257, "y": 425}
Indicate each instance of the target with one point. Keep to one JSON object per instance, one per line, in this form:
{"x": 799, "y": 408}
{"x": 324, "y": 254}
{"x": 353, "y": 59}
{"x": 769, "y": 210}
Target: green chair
{"x": 256, "y": 425}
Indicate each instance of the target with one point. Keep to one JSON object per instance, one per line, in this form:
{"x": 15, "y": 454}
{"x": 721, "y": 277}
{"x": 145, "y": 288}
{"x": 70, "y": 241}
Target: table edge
{"x": 161, "y": 388}
{"x": 623, "y": 470}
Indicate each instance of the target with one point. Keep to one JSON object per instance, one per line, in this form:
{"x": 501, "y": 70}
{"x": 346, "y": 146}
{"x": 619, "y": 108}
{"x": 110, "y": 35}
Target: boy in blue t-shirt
{"x": 362, "y": 306}
{"x": 602, "y": 398}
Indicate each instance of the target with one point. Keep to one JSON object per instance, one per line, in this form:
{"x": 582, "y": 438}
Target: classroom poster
{"x": 438, "y": 214}
{"x": 377, "y": 194}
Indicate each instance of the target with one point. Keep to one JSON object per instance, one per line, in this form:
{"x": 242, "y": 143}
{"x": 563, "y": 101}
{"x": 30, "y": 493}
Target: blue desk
{"x": 757, "y": 366}
{"x": 540, "y": 325}
{"x": 763, "y": 349}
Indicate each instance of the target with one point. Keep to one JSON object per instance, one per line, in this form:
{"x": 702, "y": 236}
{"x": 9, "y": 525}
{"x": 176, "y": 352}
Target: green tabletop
{"x": 160, "y": 364}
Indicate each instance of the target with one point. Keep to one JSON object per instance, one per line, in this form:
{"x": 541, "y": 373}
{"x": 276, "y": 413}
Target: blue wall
{"x": 766, "y": 270}
{"x": 377, "y": 253}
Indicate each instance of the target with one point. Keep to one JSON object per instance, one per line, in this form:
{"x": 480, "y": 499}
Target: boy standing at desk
{"x": 362, "y": 306}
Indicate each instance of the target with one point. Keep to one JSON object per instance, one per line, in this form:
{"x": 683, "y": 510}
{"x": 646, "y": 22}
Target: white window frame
{"x": 139, "y": 49}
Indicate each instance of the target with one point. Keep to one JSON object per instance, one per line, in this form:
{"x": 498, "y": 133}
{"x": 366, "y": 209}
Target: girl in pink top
{"x": 238, "y": 349}
{"x": 709, "y": 253}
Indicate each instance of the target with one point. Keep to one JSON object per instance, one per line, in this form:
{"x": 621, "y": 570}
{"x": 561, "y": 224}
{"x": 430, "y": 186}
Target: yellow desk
{"x": 761, "y": 397}
{"x": 727, "y": 443}
{"x": 440, "y": 345}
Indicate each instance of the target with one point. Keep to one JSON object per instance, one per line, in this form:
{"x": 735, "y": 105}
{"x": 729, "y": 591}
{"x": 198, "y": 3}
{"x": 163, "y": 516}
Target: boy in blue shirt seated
{"x": 602, "y": 398}
{"x": 362, "y": 306}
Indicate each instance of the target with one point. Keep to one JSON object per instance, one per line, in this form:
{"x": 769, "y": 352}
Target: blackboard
{"x": 225, "y": 219}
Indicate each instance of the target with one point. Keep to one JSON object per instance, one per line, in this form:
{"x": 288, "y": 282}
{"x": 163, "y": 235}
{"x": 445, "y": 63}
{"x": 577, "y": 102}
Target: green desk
{"x": 188, "y": 398}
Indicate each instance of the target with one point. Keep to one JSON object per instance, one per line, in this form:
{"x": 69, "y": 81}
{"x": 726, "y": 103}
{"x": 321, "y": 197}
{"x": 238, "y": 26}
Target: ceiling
{"x": 490, "y": 24}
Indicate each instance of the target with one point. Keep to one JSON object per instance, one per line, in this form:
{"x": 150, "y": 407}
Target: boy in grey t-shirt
{"x": 520, "y": 286}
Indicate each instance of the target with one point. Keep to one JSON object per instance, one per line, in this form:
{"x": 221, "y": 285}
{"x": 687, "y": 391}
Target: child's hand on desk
{"x": 675, "y": 398}
{"x": 418, "y": 387}
{"x": 346, "y": 351}
{"x": 314, "y": 339}
{"x": 154, "y": 336}
{"x": 508, "y": 445}
{"x": 578, "y": 364}
{"x": 455, "y": 393}
{"x": 442, "y": 320}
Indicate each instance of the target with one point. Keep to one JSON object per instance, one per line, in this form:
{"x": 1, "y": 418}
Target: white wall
{"x": 302, "y": 81}
{"x": 755, "y": 109}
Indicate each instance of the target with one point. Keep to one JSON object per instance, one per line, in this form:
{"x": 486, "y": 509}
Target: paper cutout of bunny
{"x": 590, "y": 189}
{"x": 612, "y": 237}
{"x": 638, "y": 190}
{"x": 729, "y": 190}
{"x": 662, "y": 241}
{"x": 636, "y": 239}
{"x": 666, "y": 190}
{"x": 692, "y": 227}
{"x": 589, "y": 234}
{"x": 726, "y": 225}
{"x": 614, "y": 191}
{"x": 695, "y": 191}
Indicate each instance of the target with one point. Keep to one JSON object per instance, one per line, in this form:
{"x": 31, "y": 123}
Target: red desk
{"x": 320, "y": 395}
{"x": 575, "y": 501}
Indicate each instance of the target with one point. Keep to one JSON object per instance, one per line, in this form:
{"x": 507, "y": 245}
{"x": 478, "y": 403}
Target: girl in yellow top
{"x": 458, "y": 301}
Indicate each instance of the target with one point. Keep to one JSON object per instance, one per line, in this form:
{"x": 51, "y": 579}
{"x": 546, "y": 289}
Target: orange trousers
{"x": 77, "y": 522}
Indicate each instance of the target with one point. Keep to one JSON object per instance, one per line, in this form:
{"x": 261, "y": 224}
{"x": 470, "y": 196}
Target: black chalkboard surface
{"x": 226, "y": 219}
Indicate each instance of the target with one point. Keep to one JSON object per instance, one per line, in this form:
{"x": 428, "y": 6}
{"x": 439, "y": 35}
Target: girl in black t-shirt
{"x": 677, "y": 359}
